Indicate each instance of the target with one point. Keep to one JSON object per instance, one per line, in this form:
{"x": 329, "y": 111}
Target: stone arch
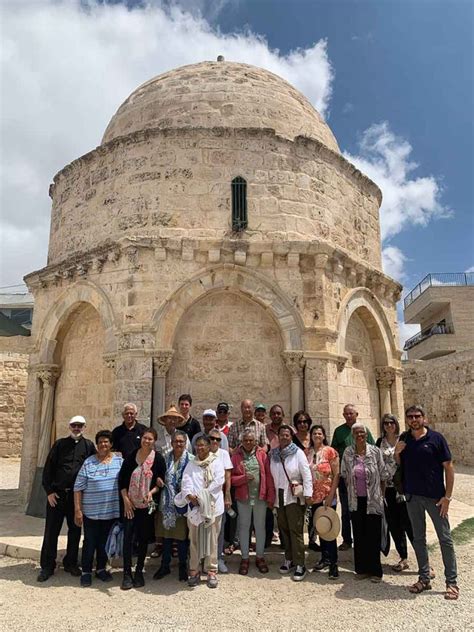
{"x": 371, "y": 312}
{"x": 79, "y": 294}
{"x": 235, "y": 279}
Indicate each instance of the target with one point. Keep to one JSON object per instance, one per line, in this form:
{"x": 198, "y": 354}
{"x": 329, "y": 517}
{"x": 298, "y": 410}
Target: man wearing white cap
{"x": 64, "y": 461}
{"x": 209, "y": 419}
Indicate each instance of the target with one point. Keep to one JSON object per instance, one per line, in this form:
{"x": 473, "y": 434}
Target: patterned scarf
{"x": 278, "y": 455}
{"x": 174, "y": 474}
{"x": 208, "y": 477}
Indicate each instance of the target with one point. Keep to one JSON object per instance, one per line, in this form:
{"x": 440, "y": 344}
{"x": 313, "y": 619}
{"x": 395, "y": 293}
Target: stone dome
{"x": 220, "y": 94}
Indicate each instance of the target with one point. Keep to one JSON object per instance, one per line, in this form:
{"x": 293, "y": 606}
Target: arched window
{"x": 239, "y": 204}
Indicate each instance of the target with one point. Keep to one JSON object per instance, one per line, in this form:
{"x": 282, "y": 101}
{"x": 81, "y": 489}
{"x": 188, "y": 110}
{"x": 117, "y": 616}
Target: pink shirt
{"x": 360, "y": 477}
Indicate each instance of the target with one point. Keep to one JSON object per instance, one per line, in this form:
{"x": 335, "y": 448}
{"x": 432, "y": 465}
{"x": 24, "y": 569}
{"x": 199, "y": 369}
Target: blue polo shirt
{"x": 422, "y": 461}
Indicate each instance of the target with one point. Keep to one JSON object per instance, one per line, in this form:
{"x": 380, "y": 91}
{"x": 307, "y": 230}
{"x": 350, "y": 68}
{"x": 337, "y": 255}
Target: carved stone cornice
{"x": 385, "y": 376}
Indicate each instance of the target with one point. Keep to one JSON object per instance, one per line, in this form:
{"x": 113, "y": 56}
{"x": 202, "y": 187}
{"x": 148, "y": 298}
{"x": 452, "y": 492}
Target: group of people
{"x": 197, "y": 491}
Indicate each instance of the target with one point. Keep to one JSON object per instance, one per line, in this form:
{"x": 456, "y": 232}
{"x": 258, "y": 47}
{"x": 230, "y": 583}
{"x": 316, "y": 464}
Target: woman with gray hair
{"x": 399, "y": 524}
{"x": 254, "y": 492}
{"x": 364, "y": 471}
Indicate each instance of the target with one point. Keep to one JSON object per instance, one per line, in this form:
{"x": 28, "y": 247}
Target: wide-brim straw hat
{"x": 327, "y": 523}
{"x": 171, "y": 412}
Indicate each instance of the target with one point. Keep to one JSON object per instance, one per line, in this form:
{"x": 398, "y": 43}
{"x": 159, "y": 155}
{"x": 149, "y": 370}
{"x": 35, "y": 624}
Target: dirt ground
{"x": 272, "y": 602}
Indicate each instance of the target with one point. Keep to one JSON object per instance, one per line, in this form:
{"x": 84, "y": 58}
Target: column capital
{"x": 385, "y": 376}
{"x": 162, "y": 361}
{"x": 47, "y": 373}
{"x": 295, "y": 362}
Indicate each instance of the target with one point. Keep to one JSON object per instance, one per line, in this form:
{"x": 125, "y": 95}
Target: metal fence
{"x": 439, "y": 279}
{"x": 427, "y": 333}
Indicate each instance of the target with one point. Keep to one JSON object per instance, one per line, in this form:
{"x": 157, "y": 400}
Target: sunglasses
{"x": 418, "y": 416}
{"x": 76, "y": 426}
{"x": 388, "y": 423}
{"x": 219, "y": 439}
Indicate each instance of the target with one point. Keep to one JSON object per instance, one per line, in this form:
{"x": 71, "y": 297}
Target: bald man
{"x": 248, "y": 421}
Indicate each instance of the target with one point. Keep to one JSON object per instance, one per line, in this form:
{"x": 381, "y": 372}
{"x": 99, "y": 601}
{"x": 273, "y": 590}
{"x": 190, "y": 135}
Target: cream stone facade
{"x": 149, "y": 292}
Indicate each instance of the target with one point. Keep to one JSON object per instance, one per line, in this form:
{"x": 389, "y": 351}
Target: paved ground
{"x": 272, "y": 602}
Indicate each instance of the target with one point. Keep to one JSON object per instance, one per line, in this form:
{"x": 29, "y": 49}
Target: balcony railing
{"x": 435, "y": 279}
{"x": 427, "y": 333}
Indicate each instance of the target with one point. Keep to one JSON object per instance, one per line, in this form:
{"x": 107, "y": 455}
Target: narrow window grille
{"x": 239, "y": 204}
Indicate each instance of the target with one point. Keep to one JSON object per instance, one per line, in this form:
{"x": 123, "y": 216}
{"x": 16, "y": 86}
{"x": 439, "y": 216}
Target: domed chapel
{"x": 215, "y": 243}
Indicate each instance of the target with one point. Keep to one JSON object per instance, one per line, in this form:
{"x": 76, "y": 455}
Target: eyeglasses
{"x": 219, "y": 439}
{"x": 76, "y": 426}
{"x": 417, "y": 416}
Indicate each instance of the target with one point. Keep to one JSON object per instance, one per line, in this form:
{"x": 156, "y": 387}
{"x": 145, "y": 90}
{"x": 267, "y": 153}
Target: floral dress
{"x": 320, "y": 464}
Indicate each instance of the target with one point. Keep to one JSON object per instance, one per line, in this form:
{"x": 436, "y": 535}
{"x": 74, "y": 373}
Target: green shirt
{"x": 342, "y": 438}
{"x": 252, "y": 467}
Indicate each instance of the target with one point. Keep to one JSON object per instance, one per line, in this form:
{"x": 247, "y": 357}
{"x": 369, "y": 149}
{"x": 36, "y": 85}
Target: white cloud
{"x": 471, "y": 269}
{"x": 393, "y": 261}
{"x": 65, "y": 70}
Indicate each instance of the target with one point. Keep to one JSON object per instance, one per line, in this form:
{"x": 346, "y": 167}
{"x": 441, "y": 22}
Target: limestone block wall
{"x": 176, "y": 184}
{"x": 13, "y": 379}
{"x": 445, "y": 387}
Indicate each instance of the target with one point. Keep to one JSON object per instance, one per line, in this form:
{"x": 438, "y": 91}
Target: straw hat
{"x": 171, "y": 412}
{"x": 327, "y": 523}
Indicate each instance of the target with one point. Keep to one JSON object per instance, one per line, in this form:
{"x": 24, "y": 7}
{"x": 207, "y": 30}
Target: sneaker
{"x": 333, "y": 571}
{"x": 127, "y": 581}
{"x": 286, "y": 567}
{"x": 162, "y": 572}
{"x": 103, "y": 575}
{"x": 212, "y": 580}
{"x": 74, "y": 570}
{"x": 138, "y": 579}
{"x": 299, "y": 574}
{"x": 321, "y": 565}
{"x": 221, "y": 566}
{"x": 44, "y": 575}
{"x": 86, "y": 580}
{"x": 375, "y": 579}
{"x": 345, "y": 546}
{"x": 361, "y": 576}
{"x": 193, "y": 580}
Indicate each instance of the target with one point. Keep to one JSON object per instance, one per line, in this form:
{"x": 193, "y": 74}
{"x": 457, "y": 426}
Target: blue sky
{"x": 393, "y": 79}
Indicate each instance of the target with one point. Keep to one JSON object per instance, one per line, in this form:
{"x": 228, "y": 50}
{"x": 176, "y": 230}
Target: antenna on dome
{"x": 220, "y": 58}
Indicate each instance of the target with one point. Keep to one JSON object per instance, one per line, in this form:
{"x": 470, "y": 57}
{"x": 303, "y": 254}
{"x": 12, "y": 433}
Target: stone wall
{"x": 445, "y": 388}
{"x": 13, "y": 379}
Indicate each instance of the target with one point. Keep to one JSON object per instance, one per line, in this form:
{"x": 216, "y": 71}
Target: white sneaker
{"x": 286, "y": 567}
{"x": 300, "y": 573}
{"x": 221, "y": 567}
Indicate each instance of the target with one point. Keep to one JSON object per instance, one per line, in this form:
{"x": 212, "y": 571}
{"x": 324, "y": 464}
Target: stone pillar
{"x": 133, "y": 383}
{"x": 161, "y": 364}
{"x": 295, "y": 363}
{"x": 48, "y": 377}
{"x": 396, "y": 397}
{"x": 31, "y": 428}
{"x": 385, "y": 375}
{"x": 321, "y": 396}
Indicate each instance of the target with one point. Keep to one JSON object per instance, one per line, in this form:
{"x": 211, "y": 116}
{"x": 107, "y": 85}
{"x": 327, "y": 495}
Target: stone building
{"x": 218, "y": 243}
{"x": 439, "y": 370}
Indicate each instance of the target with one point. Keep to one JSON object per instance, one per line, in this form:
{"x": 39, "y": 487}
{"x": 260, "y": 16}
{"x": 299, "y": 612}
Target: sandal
{"x": 401, "y": 566}
{"x": 261, "y": 565}
{"x": 229, "y": 549}
{"x": 452, "y": 592}
{"x": 419, "y": 587}
{"x": 244, "y": 567}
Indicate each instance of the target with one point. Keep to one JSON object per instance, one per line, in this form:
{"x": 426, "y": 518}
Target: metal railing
{"x": 427, "y": 333}
{"x": 439, "y": 279}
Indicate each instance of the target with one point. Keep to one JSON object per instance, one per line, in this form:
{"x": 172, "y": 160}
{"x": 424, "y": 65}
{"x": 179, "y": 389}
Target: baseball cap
{"x": 223, "y": 407}
{"x": 209, "y": 413}
{"x": 78, "y": 419}
{"x": 260, "y": 407}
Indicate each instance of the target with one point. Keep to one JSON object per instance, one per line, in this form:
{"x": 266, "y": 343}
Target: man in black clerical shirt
{"x": 126, "y": 438}
{"x": 61, "y": 468}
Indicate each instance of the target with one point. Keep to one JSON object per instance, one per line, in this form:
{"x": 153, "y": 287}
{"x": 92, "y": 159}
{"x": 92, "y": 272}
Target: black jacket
{"x": 64, "y": 462}
{"x": 130, "y": 463}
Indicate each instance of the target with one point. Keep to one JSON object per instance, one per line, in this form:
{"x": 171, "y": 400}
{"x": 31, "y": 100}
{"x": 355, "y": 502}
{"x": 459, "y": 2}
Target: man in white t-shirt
{"x": 215, "y": 437}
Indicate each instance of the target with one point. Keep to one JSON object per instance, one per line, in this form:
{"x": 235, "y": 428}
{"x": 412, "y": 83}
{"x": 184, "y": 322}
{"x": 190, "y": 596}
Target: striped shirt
{"x": 98, "y": 483}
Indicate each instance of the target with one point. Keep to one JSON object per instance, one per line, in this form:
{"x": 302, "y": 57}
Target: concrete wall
{"x": 445, "y": 387}
{"x": 13, "y": 379}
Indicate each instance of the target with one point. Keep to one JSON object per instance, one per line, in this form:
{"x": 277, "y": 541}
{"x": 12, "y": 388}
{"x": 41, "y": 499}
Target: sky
{"x": 393, "y": 79}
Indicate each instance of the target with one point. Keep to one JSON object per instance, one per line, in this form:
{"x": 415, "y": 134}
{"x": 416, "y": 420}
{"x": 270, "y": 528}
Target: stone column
{"x": 48, "y": 377}
{"x": 31, "y": 428}
{"x": 295, "y": 363}
{"x": 385, "y": 375}
{"x": 321, "y": 391}
{"x": 161, "y": 364}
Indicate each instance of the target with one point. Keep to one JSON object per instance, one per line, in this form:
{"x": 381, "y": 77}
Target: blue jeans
{"x": 96, "y": 533}
{"x": 346, "y": 514}
{"x": 417, "y": 507}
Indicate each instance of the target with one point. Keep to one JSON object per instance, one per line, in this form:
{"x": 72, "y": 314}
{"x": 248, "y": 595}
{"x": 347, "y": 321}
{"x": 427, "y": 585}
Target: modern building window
{"x": 239, "y": 204}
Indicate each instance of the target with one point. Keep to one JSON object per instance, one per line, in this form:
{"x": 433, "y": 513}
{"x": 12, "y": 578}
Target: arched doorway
{"x": 228, "y": 347}
{"x": 85, "y": 384}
